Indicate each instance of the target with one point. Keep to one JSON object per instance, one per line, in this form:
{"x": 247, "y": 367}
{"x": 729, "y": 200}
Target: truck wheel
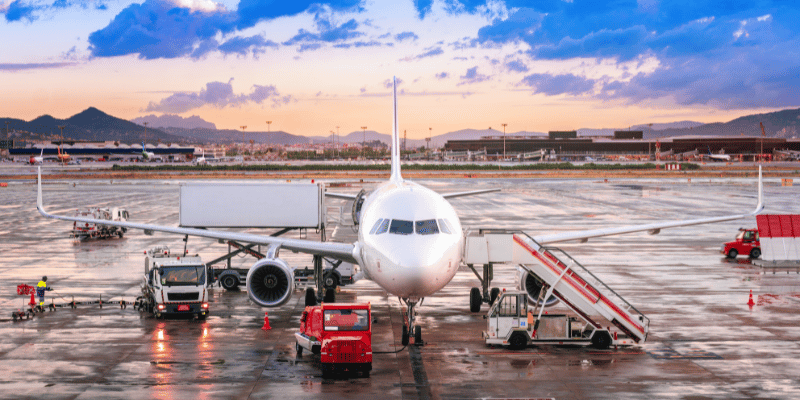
{"x": 311, "y": 297}
{"x": 475, "y": 300}
{"x": 517, "y": 341}
{"x": 229, "y": 282}
{"x": 119, "y": 234}
{"x": 601, "y": 340}
{"x": 493, "y": 295}
{"x": 330, "y": 281}
{"x": 755, "y": 253}
{"x": 327, "y": 371}
{"x": 732, "y": 253}
{"x": 299, "y": 349}
{"x": 404, "y": 338}
{"x": 330, "y": 296}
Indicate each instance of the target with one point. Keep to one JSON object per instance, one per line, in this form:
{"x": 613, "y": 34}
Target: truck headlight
{"x": 161, "y": 307}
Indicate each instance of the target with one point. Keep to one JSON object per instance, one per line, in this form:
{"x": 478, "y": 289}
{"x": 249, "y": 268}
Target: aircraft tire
{"x": 493, "y": 295}
{"x": 404, "y": 338}
{"x": 475, "y": 300}
{"x": 330, "y": 296}
{"x": 418, "y": 335}
{"x": 311, "y": 297}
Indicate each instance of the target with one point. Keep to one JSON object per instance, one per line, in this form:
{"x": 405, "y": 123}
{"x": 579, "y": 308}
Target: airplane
{"x": 63, "y": 157}
{"x": 202, "y": 159}
{"x": 718, "y": 157}
{"x": 410, "y": 244}
{"x": 37, "y": 160}
{"x": 148, "y": 155}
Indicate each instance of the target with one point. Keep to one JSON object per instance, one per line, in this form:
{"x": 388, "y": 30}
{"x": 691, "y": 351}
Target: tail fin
{"x": 143, "y": 148}
{"x": 395, "y": 138}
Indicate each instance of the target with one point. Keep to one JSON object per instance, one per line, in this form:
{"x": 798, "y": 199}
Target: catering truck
{"x": 84, "y": 230}
{"x": 174, "y": 284}
{"x": 340, "y": 333}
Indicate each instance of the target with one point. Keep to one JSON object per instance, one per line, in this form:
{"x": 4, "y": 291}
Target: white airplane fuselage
{"x": 407, "y": 264}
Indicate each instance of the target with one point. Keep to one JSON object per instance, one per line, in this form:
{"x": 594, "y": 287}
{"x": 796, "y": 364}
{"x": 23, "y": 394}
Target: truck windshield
{"x": 346, "y": 320}
{"x": 187, "y": 275}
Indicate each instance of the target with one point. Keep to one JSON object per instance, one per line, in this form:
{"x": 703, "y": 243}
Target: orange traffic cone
{"x": 750, "y": 301}
{"x": 266, "y": 326}
{"x": 33, "y": 301}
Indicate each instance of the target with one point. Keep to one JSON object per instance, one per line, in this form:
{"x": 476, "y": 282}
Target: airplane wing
{"x": 342, "y": 251}
{"x": 653, "y": 228}
{"x": 469, "y": 193}
{"x": 344, "y": 196}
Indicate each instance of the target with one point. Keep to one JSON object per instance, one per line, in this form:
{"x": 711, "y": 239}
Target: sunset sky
{"x": 309, "y": 67}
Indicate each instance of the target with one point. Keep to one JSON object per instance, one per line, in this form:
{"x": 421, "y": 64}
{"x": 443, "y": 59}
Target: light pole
{"x": 363, "y": 140}
{"x": 61, "y": 127}
{"x": 268, "y": 124}
{"x": 430, "y": 136}
{"x": 145, "y": 131}
{"x": 504, "y": 141}
{"x": 243, "y": 140}
{"x": 338, "y": 140}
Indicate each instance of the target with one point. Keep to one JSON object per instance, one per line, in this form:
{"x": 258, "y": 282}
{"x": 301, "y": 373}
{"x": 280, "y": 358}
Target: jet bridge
{"x": 571, "y": 282}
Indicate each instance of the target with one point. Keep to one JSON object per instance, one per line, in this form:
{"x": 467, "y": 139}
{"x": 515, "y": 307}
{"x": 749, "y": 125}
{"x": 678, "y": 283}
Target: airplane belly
{"x": 409, "y": 278}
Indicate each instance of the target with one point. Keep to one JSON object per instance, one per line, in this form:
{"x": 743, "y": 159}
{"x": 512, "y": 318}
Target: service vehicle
{"x": 85, "y": 230}
{"x": 340, "y": 333}
{"x": 747, "y": 243}
{"x": 174, "y": 284}
{"x": 511, "y": 324}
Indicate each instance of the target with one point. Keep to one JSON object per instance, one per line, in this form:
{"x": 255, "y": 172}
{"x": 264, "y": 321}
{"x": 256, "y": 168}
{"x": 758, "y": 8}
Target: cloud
{"x": 159, "y": 29}
{"x": 472, "y": 76}
{"x": 191, "y": 28}
{"x": 406, "y": 35}
{"x": 552, "y": 85}
{"x": 14, "y": 67}
{"x": 516, "y": 66}
{"x": 242, "y": 45}
{"x": 174, "y": 121}
{"x": 442, "y": 75}
{"x": 18, "y": 11}
{"x": 429, "y": 52}
{"x": 329, "y": 32}
{"x": 388, "y": 83}
{"x": 219, "y": 95}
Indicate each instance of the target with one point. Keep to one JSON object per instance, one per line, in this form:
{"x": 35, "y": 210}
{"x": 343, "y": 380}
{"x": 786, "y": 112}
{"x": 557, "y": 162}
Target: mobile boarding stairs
{"x": 560, "y": 275}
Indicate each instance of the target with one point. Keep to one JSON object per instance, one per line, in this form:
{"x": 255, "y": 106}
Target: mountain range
{"x": 93, "y": 124}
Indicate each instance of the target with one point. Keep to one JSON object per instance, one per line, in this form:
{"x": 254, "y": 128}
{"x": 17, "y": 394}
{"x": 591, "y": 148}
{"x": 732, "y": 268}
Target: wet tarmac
{"x": 704, "y": 342}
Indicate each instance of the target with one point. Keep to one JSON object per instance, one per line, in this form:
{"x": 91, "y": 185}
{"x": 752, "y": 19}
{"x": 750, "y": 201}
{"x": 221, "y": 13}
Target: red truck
{"x": 340, "y": 333}
{"x": 746, "y": 243}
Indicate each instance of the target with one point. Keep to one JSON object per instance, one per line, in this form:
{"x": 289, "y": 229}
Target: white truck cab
{"x": 511, "y": 323}
{"x": 174, "y": 284}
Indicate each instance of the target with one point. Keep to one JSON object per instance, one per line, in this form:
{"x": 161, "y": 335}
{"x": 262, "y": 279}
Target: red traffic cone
{"x": 750, "y": 301}
{"x": 266, "y": 326}
{"x": 33, "y": 301}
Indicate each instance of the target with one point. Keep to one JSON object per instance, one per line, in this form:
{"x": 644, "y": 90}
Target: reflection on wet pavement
{"x": 704, "y": 342}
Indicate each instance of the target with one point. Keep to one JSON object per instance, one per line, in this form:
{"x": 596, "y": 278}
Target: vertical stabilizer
{"x": 395, "y": 137}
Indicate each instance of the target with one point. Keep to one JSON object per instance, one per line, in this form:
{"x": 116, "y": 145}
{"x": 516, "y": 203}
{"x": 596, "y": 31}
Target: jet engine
{"x": 532, "y": 285}
{"x": 270, "y": 282}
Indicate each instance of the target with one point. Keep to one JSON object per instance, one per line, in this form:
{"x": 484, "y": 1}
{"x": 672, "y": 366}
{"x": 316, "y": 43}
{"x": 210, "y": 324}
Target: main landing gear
{"x": 409, "y": 324}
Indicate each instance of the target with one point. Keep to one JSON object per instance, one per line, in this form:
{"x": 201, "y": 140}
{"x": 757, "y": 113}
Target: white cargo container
{"x": 265, "y": 205}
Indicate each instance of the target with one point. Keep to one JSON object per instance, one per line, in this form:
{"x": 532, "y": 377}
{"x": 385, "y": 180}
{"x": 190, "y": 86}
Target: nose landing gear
{"x": 409, "y": 325}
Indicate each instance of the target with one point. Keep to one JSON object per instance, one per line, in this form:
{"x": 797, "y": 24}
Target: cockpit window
{"x": 375, "y": 228}
{"x": 401, "y": 227}
{"x": 383, "y": 227}
{"x": 426, "y": 227}
{"x": 444, "y": 226}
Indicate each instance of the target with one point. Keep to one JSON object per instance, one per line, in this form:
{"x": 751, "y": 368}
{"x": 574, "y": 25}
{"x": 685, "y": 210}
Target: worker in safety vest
{"x": 41, "y": 288}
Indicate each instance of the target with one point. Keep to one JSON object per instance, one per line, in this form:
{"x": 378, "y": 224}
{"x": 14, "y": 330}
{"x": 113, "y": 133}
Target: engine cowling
{"x": 532, "y": 285}
{"x": 270, "y": 282}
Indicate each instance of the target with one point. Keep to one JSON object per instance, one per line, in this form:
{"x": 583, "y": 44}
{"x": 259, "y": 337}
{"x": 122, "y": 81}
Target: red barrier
{"x": 25, "y": 289}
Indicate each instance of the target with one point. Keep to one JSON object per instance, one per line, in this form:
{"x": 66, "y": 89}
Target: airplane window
{"x": 443, "y": 226}
{"x": 383, "y": 228}
{"x": 375, "y": 228}
{"x": 426, "y": 227}
{"x": 401, "y": 227}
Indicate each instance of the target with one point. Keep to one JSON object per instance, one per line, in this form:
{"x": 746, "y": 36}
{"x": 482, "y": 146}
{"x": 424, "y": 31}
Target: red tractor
{"x": 341, "y": 334}
{"x": 746, "y": 243}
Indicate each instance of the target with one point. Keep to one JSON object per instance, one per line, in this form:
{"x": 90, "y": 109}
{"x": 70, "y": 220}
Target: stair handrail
{"x": 644, "y": 319}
